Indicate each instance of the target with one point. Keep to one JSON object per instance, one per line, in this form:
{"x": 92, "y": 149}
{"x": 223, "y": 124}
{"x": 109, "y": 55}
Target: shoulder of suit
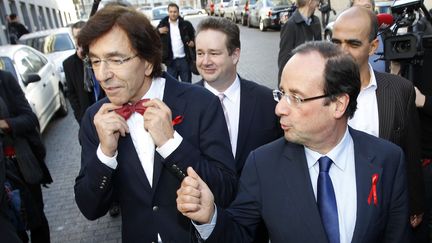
{"x": 254, "y": 86}
{"x": 394, "y": 80}
{"x": 371, "y": 141}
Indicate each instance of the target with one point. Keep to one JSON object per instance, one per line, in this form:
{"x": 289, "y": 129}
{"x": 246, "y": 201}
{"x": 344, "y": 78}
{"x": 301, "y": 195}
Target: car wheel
{"x": 261, "y": 25}
{"x": 243, "y": 20}
{"x": 63, "y": 109}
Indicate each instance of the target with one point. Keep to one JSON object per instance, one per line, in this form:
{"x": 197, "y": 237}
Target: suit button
{"x": 155, "y": 208}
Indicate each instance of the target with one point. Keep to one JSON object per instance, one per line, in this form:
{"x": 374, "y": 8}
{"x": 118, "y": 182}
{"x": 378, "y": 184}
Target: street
{"x": 258, "y": 62}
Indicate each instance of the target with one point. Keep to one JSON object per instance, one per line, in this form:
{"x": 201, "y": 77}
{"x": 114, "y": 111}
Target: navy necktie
{"x": 327, "y": 201}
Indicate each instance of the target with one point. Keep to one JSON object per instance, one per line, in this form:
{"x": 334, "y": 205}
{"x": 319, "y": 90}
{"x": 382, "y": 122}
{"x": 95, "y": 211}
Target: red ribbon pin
{"x": 373, "y": 192}
{"x": 177, "y": 120}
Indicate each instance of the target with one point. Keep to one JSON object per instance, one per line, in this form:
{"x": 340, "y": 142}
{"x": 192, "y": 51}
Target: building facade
{"x": 37, "y": 14}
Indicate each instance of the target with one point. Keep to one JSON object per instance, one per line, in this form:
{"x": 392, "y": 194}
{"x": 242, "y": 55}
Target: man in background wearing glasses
{"x": 138, "y": 141}
{"x": 322, "y": 182}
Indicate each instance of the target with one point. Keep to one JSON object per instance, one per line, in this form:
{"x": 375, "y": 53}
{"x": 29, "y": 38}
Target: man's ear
{"x": 236, "y": 55}
{"x": 373, "y": 46}
{"x": 149, "y": 68}
{"x": 340, "y": 105}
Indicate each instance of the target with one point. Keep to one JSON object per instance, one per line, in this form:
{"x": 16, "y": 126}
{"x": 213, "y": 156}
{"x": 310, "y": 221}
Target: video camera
{"x": 410, "y": 46}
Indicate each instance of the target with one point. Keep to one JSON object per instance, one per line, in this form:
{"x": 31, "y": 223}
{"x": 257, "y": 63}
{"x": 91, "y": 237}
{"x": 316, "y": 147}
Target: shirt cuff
{"x": 108, "y": 161}
{"x": 205, "y": 230}
{"x": 171, "y": 145}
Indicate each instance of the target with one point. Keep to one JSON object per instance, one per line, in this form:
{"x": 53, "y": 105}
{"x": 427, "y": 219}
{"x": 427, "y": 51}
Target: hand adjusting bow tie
{"x": 128, "y": 109}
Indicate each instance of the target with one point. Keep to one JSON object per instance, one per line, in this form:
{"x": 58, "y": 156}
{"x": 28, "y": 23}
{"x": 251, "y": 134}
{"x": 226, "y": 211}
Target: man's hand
{"x": 4, "y": 125}
{"x": 158, "y": 121}
{"x": 109, "y": 126}
{"x": 416, "y": 219}
{"x": 194, "y": 198}
{"x": 163, "y": 30}
{"x": 191, "y": 44}
{"x": 420, "y": 98}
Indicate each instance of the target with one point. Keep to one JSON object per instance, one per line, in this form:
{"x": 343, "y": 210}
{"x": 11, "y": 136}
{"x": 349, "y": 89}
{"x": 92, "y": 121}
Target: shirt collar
{"x": 230, "y": 93}
{"x": 372, "y": 82}
{"x": 156, "y": 89}
{"x": 335, "y": 154}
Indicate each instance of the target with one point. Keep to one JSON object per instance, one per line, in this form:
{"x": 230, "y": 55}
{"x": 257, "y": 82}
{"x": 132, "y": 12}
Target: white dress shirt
{"x": 232, "y": 106}
{"x": 342, "y": 174}
{"x": 142, "y": 140}
{"x": 366, "y": 116}
{"x": 176, "y": 41}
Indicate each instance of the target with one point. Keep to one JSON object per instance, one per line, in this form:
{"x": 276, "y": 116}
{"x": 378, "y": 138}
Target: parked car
{"x": 220, "y": 6}
{"x": 245, "y": 7}
{"x": 188, "y": 10}
{"x": 157, "y": 14}
{"x": 38, "y": 78}
{"x": 265, "y": 14}
{"x": 233, "y": 10}
{"x": 380, "y": 7}
{"x": 57, "y": 44}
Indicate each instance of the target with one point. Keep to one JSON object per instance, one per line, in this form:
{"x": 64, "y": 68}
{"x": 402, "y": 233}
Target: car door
{"x": 40, "y": 94}
{"x": 255, "y": 12}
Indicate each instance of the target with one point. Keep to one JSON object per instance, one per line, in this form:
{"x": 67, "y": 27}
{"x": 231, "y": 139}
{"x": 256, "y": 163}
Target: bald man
{"x": 386, "y": 103}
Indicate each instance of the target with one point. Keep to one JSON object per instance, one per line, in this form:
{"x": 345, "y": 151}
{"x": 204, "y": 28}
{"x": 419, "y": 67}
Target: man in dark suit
{"x": 249, "y": 106}
{"x": 302, "y": 26}
{"x": 81, "y": 85}
{"x": 18, "y": 120}
{"x": 120, "y": 133}
{"x": 386, "y": 103}
{"x": 324, "y": 182}
{"x": 177, "y": 36}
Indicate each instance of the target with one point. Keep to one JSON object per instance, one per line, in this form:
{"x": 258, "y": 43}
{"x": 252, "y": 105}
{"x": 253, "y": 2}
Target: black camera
{"x": 410, "y": 45}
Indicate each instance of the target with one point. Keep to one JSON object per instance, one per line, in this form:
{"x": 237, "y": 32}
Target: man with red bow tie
{"x": 138, "y": 141}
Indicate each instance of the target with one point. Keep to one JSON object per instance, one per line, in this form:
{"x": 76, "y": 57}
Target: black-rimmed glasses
{"x": 294, "y": 99}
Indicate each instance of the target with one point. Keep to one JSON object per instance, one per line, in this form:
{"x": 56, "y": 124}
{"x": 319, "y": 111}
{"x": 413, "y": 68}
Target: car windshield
{"x": 51, "y": 43}
{"x": 160, "y": 13}
{"x": 6, "y": 65}
{"x": 278, "y": 2}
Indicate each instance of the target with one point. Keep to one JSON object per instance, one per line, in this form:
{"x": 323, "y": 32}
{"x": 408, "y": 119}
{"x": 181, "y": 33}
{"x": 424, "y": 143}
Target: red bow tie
{"x": 127, "y": 110}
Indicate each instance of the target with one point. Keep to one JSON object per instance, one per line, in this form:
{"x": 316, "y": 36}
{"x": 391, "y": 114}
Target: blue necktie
{"x": 327, "y": 201}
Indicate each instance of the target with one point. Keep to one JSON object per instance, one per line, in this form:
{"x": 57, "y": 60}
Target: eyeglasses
{"x": 294, "y": 99}
{"x": 112, "y": 62}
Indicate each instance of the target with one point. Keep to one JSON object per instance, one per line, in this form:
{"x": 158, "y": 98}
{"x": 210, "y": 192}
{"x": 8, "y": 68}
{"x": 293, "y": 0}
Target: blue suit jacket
{"x": 258, "y": 123}
{"x": 147, "y": 211}
{"x": 275, "y": 186}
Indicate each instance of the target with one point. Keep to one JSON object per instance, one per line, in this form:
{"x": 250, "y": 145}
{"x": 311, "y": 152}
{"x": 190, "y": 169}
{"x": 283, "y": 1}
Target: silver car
{"x": 57, "y": 44}
{"x": 38, "y": 78}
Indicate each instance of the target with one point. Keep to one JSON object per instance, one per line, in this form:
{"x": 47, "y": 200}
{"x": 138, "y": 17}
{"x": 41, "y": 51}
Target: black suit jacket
{"x": 80, "y": 99}
{"x": 275, "y": 186}
{"x": 258, "y": 123}
{"x": 398, "y": 123}
{"x": 147, "y": 211}
{"x": 22, "y": 121}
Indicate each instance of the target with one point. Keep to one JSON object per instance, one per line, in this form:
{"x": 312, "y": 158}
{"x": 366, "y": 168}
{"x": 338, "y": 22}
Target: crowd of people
{"x": 338, "y": 154}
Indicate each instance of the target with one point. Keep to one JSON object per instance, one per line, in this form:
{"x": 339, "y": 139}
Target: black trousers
{"x": 40, "y": 233}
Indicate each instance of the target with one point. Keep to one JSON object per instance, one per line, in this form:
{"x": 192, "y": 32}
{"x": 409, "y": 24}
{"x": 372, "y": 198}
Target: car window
{"x": 160, "y": 13}
{"x": 7, "y": 65}
{"x": 28, "y": 62}
{"x": 278, "y": 2}
{"x": 58, "y": 42}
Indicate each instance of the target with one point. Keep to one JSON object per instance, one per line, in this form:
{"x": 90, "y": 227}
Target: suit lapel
{"x": 365, "y": 169}
{"x": 386, "y": 103}
{"x": 131, "y": 158}
{"x": 247, "y": 104}
{"x": 177, "y": 105}
{"x": 299, "y": 189}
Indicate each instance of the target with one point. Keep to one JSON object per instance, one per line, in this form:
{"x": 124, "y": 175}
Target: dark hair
{"x": 173, "y": 5}
{"x": 225, "y": 26}
{"x": 141, "y": 34}
{"x": 12, "y": 16}
{"x": 341, "y": 73}
{"x": 373, "y": 32}
{"x": 78, "y": 25}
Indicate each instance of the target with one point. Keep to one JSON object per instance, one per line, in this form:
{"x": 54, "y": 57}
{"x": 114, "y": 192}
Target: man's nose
{"x": 282, "y": 108}
{"x": 103, "y": 72}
